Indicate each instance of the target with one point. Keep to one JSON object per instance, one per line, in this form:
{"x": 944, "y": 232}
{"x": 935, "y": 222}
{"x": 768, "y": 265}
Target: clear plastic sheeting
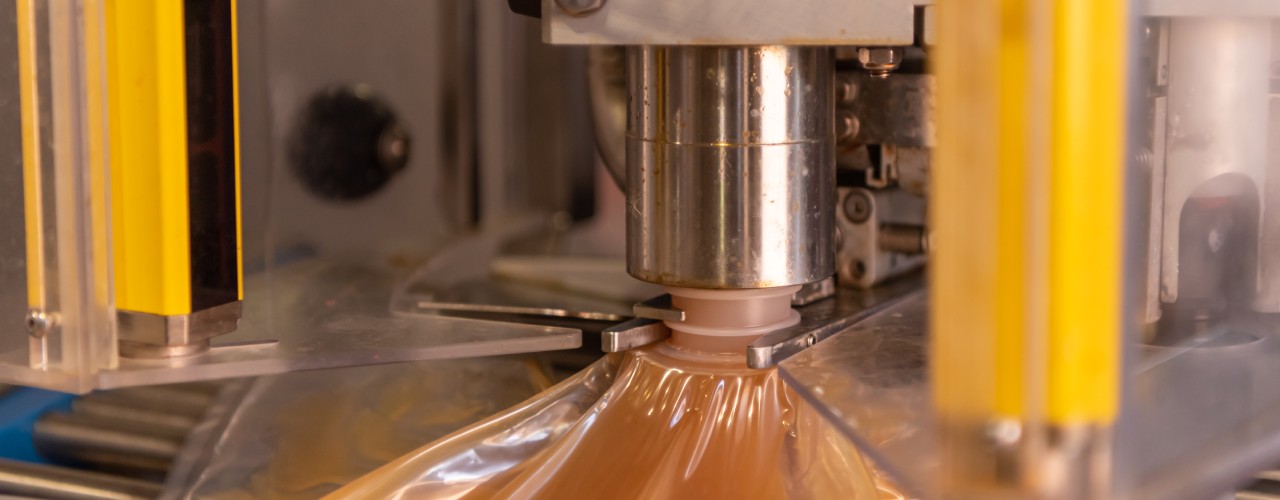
{"x": 655, "y": 422}
{"x": 302, "y": 435}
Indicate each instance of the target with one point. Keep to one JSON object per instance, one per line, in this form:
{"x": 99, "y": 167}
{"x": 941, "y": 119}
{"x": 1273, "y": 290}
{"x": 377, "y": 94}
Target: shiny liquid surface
{"x": 673, "y": 424}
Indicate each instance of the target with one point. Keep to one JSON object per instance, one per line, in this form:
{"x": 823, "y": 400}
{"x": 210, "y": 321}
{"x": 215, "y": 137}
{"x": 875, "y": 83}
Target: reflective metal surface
{"x": 739, "y": 22}
{"x": 1217, "y": 126}
{"x": 607, "y": 86}
{"x": 106, "y": 443}
{"x": 27, "y": 480}
{"x": 822, "y": 319}
{"x": 866, "y": 221}
{"x": 896, "y": 110}
{"x": 659, "y": 308}
{"x": 144, "y": 335}
{"x": 814, "y": 292}
{"x": 730, "y": 165}
{"x": 632, "y": 334}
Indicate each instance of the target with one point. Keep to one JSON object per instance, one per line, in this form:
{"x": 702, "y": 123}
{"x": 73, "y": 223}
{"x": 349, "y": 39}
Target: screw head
{"x": 579, "y": 8}
{"x": 1003, "y": 433}
{"x": 857, "y": 207}
{"x": 39, "y": 323}
{"x": 880, "y": 61}
{"x": 846, "y": 89}
{"x": 847, "y": 126}
{"x": 393, "y": 148}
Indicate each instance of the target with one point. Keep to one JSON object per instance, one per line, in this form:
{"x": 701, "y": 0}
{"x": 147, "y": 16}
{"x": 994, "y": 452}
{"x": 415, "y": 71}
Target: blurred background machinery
{"x": 216, "y": 189}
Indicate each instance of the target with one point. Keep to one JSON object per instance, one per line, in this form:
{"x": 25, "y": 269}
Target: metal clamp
{"x": 645, "y": 329}
{"x": 813, "y": 292}
{"x": 632, "y": 334}
{"x": 826, "y": 318}
{"x": 658, "y": 308}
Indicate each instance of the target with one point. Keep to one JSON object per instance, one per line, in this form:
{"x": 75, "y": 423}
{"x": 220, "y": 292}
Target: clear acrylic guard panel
{"x": 319, "y": 269}
{"x": 1202, "y": 394}
{"x": 1197, "y": 395}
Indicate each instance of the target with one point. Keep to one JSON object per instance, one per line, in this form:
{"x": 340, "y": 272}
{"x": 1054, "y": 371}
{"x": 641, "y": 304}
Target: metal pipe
{"x": 177, "y": 399}
{"x": 107, "y": 443}
{"x": 46, "y": 481}
{"x": 730, "y": 165}
{"x": 904, "y": 238}
{"x": 122, "y": 410}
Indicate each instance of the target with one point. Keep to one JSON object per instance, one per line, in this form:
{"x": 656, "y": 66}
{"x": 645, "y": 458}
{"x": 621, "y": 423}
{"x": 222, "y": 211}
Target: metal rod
{"x": 124, "y": 411}
{"x": 47, "y": 481}
{"x": 904, "y": 238}
{"x": 171, "y": 399}
{"x": 107, "y": 443}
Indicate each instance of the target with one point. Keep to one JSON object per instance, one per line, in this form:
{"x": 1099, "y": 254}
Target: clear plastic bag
{"x": 304, "y": 434}
{"x": 655, "y": 422}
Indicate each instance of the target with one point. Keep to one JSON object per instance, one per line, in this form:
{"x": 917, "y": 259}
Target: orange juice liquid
{"x": 679, "y": 424}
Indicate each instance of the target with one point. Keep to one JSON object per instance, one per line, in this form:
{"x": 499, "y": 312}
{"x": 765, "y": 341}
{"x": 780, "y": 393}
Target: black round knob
{"x": 347, "y": 143}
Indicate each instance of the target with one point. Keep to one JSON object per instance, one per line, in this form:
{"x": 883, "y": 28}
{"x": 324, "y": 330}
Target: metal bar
{"x": 116, "y": 409}
{"x": 110, "y": 444}
{"x": 658, "y": 308}
{"x": 814, "y": 292}
{"x": 47, "y": 481}
{"x": 553, "y": 312}
{"x": 826, "y": 318}
{"x": 173, "y": 399}
{"x": 632, "y": 334}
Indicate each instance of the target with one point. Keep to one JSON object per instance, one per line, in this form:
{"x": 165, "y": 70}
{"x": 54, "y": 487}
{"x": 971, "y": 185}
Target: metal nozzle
{"x": 730, "y": 165}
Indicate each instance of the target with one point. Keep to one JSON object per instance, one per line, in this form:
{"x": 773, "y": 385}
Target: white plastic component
{"x": 728, "y": 320}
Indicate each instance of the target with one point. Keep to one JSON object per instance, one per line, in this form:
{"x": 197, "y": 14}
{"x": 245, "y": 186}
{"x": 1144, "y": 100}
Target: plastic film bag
{"x": 655, "y": 422}
{"x": 304, "y": 434}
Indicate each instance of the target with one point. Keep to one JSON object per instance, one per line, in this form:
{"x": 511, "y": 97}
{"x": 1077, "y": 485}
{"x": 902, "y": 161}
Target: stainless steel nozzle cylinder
{"x": 730, "y": 165}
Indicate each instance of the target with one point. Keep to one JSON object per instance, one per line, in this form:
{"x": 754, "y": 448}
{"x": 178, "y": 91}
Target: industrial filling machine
{"x": 642, "y": 248}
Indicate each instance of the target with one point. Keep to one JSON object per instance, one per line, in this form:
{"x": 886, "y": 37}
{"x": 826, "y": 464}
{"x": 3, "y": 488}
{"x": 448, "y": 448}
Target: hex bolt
{"x": 857, "y": 206}
{"x": 880, "y": 61}
{"x": 579, "y": 8}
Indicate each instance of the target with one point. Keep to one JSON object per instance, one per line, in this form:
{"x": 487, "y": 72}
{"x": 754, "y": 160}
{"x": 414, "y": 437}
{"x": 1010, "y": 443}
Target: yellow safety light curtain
{"x": 27, "y": 67}
{"x": 1086, "y": 177}
{"x": 1026, "y": 216}
{"x": 174, "y": 154}
{"x": 148, "y": 122}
